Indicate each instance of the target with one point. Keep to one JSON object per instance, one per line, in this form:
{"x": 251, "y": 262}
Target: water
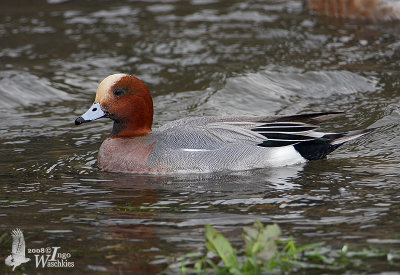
{"x": 198, "y": 58}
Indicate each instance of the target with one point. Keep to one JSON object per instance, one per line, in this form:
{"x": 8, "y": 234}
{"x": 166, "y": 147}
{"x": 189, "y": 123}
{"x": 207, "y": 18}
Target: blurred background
{"x": 198, "y": 57}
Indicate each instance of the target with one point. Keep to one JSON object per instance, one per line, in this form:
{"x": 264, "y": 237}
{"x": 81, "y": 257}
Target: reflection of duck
{"x": 204, "y": 144}
{"x": 369, "y": 9}
{"x": 17, "y": 256}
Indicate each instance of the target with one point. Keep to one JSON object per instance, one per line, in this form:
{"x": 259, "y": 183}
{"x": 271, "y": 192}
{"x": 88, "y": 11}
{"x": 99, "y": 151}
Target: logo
{"x": 51, "y": 257}
{"x": 17, "y": 256}
{"x": 44, "y": 256}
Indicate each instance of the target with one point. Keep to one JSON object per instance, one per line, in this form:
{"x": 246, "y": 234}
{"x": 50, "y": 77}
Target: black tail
{"x": 319, "y": 148}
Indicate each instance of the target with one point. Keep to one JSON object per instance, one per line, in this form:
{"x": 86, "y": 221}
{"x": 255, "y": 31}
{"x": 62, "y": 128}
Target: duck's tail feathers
{"x": 319, "y": 148}
{"x": 339, "y": 139}
{"x": 313, "y": 118}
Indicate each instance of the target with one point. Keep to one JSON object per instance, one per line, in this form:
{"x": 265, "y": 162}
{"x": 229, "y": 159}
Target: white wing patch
{"x": 195, "y": 150}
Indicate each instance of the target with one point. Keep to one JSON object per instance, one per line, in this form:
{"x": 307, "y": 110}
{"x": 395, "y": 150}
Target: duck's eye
{"x": 118, "y": 91}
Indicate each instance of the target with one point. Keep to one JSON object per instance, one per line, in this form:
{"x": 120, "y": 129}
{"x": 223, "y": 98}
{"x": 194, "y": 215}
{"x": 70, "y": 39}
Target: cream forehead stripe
{"x": 102, "y": 91}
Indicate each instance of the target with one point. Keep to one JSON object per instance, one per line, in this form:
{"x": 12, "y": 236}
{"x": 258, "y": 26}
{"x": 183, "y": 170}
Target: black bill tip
{"x": 80, "y": 120}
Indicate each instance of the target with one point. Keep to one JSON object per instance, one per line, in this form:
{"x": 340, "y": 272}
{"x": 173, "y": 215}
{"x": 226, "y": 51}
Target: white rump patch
{"x": 285, "y": 155}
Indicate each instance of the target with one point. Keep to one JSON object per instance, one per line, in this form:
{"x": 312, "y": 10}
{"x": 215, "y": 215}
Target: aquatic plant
{"x": 266, "y": 252}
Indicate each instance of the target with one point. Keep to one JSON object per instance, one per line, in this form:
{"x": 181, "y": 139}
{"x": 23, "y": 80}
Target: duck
{"x": 202, "y": 144}
{"x": 382, "y": 10}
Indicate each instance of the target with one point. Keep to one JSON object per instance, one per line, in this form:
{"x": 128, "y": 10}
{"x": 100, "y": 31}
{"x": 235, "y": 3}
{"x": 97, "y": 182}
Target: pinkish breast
{"x": 125, "y": 154}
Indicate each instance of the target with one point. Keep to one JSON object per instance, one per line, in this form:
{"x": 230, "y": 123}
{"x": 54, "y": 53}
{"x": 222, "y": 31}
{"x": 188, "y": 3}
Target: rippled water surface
{"x": 199, "y": 58}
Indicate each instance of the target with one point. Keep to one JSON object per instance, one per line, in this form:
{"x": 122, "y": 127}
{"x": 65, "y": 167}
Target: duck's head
{"x": 126, "y": 100}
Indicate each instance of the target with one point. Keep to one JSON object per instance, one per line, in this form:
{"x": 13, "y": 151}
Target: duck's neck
{"x": 137, "y": 120}
{"x": 126, "y": 129}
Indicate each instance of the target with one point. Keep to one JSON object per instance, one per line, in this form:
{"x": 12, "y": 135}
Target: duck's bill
{"x": 94, "y": 112}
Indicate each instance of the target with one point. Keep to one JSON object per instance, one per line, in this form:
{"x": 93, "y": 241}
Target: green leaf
{"x": 210, "y": 263}
{"x": 183, "y": 269}
{"x": 251, "y": 266}
{"x": 308, "y": 247}
{"x": 250, "y": 238}
{"x": 198, "y": 266}
{"x": 260, "y": 241}
{"x": 222, "y": 247}
{"x": 268, "y": 251}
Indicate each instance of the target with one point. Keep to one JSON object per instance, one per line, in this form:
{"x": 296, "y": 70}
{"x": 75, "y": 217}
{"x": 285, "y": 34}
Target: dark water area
{"x": 198, "y": 58}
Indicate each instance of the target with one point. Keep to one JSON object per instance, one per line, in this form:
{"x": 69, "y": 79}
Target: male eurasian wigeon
{"x": 203, "y": 144}
{"x": 361, "y": 9}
